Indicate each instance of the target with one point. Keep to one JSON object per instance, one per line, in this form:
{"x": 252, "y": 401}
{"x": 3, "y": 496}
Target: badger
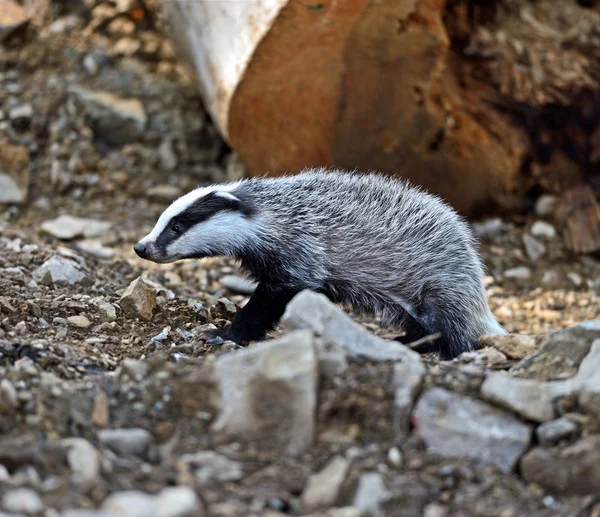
{"x": 371, "y": 242}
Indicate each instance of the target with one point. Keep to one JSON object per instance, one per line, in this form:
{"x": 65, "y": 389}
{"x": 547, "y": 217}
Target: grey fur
{"x": 371, "y": 242}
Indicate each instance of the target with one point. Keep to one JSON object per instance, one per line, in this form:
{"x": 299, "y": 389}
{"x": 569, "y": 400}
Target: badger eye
{"x": 175, "y": 228}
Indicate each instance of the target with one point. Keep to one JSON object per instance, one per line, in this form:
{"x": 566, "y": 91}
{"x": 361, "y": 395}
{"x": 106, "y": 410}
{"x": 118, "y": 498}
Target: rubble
{"x": 59, "y": 270}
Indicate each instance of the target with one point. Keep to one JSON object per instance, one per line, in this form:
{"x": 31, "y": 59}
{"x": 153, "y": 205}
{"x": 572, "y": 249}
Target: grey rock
{"x": 126, "y": 441}
{"x": 67, "y": 227}
{"x": 86, "y": 513}
{"x": 210, "y": 467}
{"x": 407, "y": 381}
{"x": 137, "y": 370}
{"x": 83, "y": 459}
{"x": 323, "y": 488}
{"x": 534, "y": 248}
{"x": 552, "y": 432}
{"x": 370, "y": 492}
{"x": 519, "y": 273}
{"x": 337, "y": 332}
{"x": 573, "y": 469}
{"x": 60, "y": 270}
{"x": 560, "y": 354}
{"x": 166, "y": 155}
{"x": 179, "y": 501}
{"x": 270, "y": 390}
{"x": 117, "y": 121}
{"x": 79, "y": 322}
{"x": 513, "y": 346}
{"x": 238, "y": 284}
{"x": 107, "y": 311}
{"x": 164, "y": 193}
{"x": 9, "y": 397}
{"x": 457, "y": 426}
{"x": 21, "y": 112}
{"x": 10, "y": 192}
{"x": 543, "y": 229}
{"x": 15, "y": 172}
{"x": 139, "y": 299}
{"x": 545, "y": 205}
{"x": 22, "y": 500}
{"x": 529, "y": 398}
{"x": 130, "y": 503}
{"x": 95, "y": 248}
{"x": 488, "y": 229}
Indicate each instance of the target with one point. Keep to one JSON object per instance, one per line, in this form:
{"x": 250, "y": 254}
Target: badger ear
{"x": 226, "y": 195}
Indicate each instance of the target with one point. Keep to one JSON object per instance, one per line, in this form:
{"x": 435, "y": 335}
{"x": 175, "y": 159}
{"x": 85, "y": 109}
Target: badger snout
{"x": 141, "y": 250}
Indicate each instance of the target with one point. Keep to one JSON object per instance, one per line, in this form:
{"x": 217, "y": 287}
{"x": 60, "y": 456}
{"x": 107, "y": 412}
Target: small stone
{"x": 513, "y": 346}
{"x": 21, "y": 112}
{"x": 95, "y": 248}
{"x": 569, "y": 470}
{"x": 488, "y": 229}
{"x": 78, "y": 321}
{"x": 166, "y": 155}
{"x": 543, "y": 229}
{"x": 407, "y": 382}
{"x": 59, "y": 270}
{"x": 394, "y": 457}
{"x": 126, "y": 441}
{"x": 370, "y": 492}
{"x": 323, "y": 488}
{"x": 85, "y": 513}
{"x": 435, "y": 510}
{"x": 22, "y": 500}
{"x": 223, "y": 309}
{"x": 457, "y": 426}
{"x": 534, "y": 248}
{"x": 177, "y": 501}
{"x": 100, "y": 409}
{"x": 238, "y": 284}
{"x": 519, "y": 272}
{"x": 8, "y": 394}
{"x": 106, "y": 311}
{"x": 575, "y": 278}
{"x": 137, "y": 370}
{"x": 527, "y": 397}
{"x": 83, "y": 459}
{"x": 117, "y": 121}
{"x": 270, "y": 391}
{"x": 130, "y": 503}
{"x": 67, "y": 227}
{"x": 139, "y": 300}
{"x": 14, "y": 168}
{"x": 164, "y": 193}
{"x": 552, "y": 432}
{"x": 212, "y": 468}
{"x": 545, "y": 205}
{"x": 12, "y": 16}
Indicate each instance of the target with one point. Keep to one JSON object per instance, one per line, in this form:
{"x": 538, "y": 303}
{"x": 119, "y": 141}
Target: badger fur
{"x": 368, "y": 241}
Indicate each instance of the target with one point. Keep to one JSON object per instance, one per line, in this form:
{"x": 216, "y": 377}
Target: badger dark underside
{"x": 267, "y": 305}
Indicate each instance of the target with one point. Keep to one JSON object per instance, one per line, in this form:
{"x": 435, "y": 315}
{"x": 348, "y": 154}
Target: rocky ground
{"x": 112, "y": 403}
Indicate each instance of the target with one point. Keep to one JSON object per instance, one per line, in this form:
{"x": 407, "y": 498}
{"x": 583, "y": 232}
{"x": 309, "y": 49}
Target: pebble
{"x": 10, "y": 192}
{"x": 575, "y": 278}
{"x": 370, "y": 492}
{"x": 488, "y": 229}
{"x": 66, "y": 227}
{"x": 394, "y": 457}
{"x": 14, "y": 170}
{"x": 139, "y": 300}
{"x": 126, "y": 441}
{"x": 519, "y": 272}
{"x": 238, "y": 284}
{"x": 21, "y": 112}
{"x": 457, "y": 426}
{"x": 407, "y": 381}
{"x": 12, "y": 16}
{"x": 513, "y": 346}
{"x": 210, "y": 467}
{"x": 534, "y": 248}
{"x": 323, "y": 488}
{"x": 95, "y": 248}
{"x": 179, "y": 501}
{"x": 106, "y": 311}
{"x": 552, "y": 432}
{"x": 166, "y": 155}
{"x": 59, "y": 270}
{"x": 164, "y": 193}
{"x": 83, "y": 459}
{"x": 79, "y": 321}
{"x": 545, "y": 205}
{"x": 130, "y": 503}
{"x": 8, "y": 394}
{"x": 22, "y": 500}
{"x": 543, "y": 229}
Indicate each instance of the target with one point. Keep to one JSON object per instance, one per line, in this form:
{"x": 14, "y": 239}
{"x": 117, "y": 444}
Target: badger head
{"x": 211, "y": 221}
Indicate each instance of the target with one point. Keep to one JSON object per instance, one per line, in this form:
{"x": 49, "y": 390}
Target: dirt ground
{"x": 69, "y": 375}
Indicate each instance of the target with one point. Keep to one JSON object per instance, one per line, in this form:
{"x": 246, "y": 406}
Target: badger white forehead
{"x": 181, "y": 204}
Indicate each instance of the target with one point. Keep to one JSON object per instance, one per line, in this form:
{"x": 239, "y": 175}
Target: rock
{"x": 270, "y": 391}
{"x": 370, "y": 492}
{"x": 513, "y": 346}
{"x": 84, "y": 513}
{"x": 83, "y": 459}
{"x": 14, "y": 168}
{"x": 178, "y": 501}
{"x": 126, "y": 441}
{"x": 338, "y": 333}
{"x": 323, "y": 488}
{"x": 552, "y": 432}
{"x": 9, "y": 398}
{"x": 407, "y": 381}
{"x": 116, "y": 121}
{"x": 238, "y": 284}
{"x": 166, "y": 155}
{"x": 106, "y": 311}
{"x": 586, "y": 383}
{"x": 457, "y": 426}
{"x": 210, "y": 467}
{"x": 519, "y": 273}
{"x": 22, "y": 500}
{"x": 560, "y": 354}
{"x": 23, "y": 112}
{"x": 488, "y": 229}
{"x": 67, "y": 227}
{"x": 130, "y": 503}
{"x": 137, "y": 370}
{"x": 394, "y": 457}
{"x": 95, "y": 248}
{"x": 164, "y": 193}
{"x": 79, "y": 321}
{"x": 527, "y": 397}
{"x": 543, "y": 229}
{"x": 59, "y": 270}
{"x": 575, "y": 278}
{"x": 223, "y": 309}
{"x": 545, "y": 205}
{"x": 573, "y": 469}
{"x": 435, "y": 510}
{"x": 12, "y": 16}
{"x": 139, "y": 300}
{"x": 534, "y": 248}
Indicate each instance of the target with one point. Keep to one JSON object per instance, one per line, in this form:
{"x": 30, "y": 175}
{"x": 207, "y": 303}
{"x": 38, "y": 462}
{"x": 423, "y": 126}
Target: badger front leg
{"x": 259, "y": 316}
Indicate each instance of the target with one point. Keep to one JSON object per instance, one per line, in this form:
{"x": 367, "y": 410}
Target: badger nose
{"x": 140, "y": 249}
